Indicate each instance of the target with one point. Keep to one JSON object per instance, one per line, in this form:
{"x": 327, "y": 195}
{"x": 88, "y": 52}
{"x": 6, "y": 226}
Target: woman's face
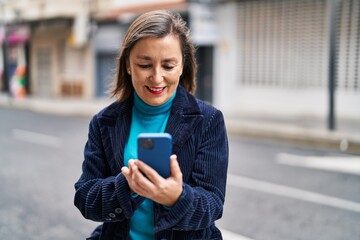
{"x": 155, "y": 66}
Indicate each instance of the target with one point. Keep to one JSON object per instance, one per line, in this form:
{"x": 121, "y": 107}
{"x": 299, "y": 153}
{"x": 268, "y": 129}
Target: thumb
{"x": 175, "y": 168}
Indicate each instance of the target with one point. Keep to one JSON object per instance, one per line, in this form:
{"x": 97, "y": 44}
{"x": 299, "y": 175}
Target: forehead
{"x": 167, "y": 46}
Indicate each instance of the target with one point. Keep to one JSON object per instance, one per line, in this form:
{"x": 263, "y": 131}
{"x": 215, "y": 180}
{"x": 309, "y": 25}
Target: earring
{"x": 129, "y": 72}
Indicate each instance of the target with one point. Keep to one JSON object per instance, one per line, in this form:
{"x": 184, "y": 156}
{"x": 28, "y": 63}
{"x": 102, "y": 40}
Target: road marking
{"x": 36, "y": 138}
{"x": 336, "y": 164}
{"x": 289, "y": 192}
{"x": 227, "y": 235}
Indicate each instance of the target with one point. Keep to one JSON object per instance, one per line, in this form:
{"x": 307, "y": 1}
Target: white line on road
{"x": 337, "y": 164}
{"x": 36, "y": 138}
{"x": 227, "y": 235}
{"x": 289, "y": 192}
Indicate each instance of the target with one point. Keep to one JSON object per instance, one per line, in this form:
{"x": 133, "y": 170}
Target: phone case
{"x": 155, "y": 150}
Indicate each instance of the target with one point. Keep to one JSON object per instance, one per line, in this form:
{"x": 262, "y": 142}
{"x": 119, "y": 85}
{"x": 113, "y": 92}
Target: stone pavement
{"x": 304, "y": 132}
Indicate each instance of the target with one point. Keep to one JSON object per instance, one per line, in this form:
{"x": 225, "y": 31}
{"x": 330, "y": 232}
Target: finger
{"x": 127, "y": 174}
{"x": 139, "y": 179}
{"x": 135, "y": 172}
{"x": 131, "y": 163}
{"x": 131, "y": 174}
{"x": 149, "y": 172}
{"x": 144, "y": 184}
{"x": 175, "y": 168}
{"x": 125, "y": 171}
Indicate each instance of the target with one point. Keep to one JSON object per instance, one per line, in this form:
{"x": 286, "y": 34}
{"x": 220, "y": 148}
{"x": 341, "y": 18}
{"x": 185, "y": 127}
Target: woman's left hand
{"x": 146, "y": 182}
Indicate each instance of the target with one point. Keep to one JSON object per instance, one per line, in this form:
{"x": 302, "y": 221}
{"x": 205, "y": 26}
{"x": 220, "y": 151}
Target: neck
{"x": 146, "y": 109}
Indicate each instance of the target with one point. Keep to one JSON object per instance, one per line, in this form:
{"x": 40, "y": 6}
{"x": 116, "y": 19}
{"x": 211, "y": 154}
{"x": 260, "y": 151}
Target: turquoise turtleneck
{"x": 145, "y": 119}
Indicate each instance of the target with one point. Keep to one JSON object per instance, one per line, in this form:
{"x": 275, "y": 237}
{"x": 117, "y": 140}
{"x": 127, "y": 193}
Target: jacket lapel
{"x": 184, "y": 117}
{"x": 117, "y": 123}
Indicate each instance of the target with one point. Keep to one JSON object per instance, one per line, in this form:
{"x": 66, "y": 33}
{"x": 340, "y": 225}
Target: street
{"x": 273, "y": 196}
{"x": 274, "y": 191}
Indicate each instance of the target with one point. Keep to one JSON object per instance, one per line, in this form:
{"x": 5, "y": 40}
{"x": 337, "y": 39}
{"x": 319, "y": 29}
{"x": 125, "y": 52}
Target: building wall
{"x": 272, "y": 58}
{"x": 61, "y": 56}
{"x": 225, "y": 60}
{"x": 106, "y": 43}
{"x": 58, "y": 69}
{"x": 41, "y": 9}
{"x": 45, "y": 63}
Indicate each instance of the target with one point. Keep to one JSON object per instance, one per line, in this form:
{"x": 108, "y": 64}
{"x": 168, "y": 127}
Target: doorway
{"x": 204, "y": 57}
{"x": 106, "y": 70}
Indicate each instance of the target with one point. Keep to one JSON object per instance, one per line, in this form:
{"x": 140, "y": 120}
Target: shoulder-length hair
{"x": 159, "y": 23}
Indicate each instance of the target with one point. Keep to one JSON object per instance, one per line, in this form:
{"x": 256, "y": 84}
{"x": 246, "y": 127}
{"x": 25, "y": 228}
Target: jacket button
{"x": 108, "y": 219}
{"x": 118, "y": 210}
{"x": 112, "y": 215}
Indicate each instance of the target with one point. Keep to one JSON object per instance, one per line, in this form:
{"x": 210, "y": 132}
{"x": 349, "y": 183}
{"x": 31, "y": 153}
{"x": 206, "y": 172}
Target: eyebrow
{"x": 144, "y": 57}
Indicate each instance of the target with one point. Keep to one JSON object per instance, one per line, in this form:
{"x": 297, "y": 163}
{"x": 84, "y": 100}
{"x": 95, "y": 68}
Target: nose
{"x": 156, "y": 75}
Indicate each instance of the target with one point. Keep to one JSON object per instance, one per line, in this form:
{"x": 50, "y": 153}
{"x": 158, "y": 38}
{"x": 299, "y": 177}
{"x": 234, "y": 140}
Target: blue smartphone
{"x": 154, "y": 149}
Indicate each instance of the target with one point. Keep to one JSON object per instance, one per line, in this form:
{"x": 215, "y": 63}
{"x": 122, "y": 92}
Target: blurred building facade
{"x": 55, "y": 44}
{"x": 69, "y": 47}
{"x": 272, "y": 57}
{"x": 255, "y": 56}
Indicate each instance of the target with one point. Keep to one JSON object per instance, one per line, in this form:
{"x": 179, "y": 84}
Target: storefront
{"x": 14, "y": 63}
{"x": 60, "y": 68}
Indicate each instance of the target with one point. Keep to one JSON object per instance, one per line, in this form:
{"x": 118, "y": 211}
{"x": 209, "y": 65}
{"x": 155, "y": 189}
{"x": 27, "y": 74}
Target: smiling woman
{"x": 155, "y": 66}
{"x": 153, "y": 88}
{"x": 166, "y": 27}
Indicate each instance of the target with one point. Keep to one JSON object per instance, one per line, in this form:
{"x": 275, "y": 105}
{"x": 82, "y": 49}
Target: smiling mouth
{"x": 156, "y": 90}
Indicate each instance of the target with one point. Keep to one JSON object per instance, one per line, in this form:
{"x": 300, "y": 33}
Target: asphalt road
{"x": 281, "y": 192}
{"x": 274, "y": 192}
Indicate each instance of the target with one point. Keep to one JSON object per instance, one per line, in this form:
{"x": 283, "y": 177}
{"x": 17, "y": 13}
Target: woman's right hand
{"x": 146, "y": 182}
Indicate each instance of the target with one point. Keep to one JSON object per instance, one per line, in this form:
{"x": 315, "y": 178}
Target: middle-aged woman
{"x": 154, "y": 85}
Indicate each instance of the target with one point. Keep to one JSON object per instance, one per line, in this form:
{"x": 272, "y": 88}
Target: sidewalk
{"x": 305, "y": 132}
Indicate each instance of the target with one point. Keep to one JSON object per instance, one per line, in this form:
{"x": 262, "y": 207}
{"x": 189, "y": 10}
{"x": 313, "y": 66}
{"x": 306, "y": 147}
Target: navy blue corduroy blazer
{"x": 201, "y": 145}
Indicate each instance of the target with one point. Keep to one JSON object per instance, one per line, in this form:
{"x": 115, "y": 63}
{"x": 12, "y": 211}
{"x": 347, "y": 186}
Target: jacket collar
{"x": 184, "y": 117}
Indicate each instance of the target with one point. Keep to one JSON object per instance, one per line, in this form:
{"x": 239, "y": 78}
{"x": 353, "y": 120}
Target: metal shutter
{"x": 284, "y": 43}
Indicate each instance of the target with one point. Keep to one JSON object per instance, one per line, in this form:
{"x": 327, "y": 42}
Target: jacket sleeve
{"x": 99, "y": 195}
{"x": 202, "y": 200}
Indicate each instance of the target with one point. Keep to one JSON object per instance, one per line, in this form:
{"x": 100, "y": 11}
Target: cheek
{"x": 176, "y": 76}
{"x": 174, "y": 80}
{"x": 137, "y": 77}
{"x": 135, "y": 82}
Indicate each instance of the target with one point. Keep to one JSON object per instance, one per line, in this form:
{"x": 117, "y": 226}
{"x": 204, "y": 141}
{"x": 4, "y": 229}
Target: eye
{"x": 168, "y": 67}
{"x": 145, "y": 66}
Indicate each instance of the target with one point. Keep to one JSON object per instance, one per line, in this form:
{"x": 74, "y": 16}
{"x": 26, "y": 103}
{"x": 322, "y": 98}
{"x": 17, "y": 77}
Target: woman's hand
{"x": 146, "y": 182}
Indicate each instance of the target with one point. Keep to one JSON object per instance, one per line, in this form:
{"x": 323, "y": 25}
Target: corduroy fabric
{"x": 199, "y": 141}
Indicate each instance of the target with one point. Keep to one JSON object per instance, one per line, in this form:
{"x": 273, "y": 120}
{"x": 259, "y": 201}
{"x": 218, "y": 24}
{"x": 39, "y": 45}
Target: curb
{"x": 309, "y": 137}
{"x": 64, "y": 107}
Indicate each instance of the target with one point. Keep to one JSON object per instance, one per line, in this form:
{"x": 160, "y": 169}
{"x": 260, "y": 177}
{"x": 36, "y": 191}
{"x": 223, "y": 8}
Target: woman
{"x": 154, "y": 82}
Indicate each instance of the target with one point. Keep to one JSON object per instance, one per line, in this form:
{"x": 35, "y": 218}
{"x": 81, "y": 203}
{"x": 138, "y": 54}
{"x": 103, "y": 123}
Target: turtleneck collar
{"x": 146, "y": 109}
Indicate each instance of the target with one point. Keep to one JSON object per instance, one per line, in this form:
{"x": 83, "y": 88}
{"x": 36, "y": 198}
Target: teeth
{"x": 156, "y": 89}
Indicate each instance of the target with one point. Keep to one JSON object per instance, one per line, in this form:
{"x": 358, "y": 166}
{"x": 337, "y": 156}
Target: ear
{"x": 182, "y": 69}
{"x": 183, "y": 65}
{"x": 128, "y": 69}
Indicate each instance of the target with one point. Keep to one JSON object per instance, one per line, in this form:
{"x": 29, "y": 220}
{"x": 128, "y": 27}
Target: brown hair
{"x": 159, "y": 23}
